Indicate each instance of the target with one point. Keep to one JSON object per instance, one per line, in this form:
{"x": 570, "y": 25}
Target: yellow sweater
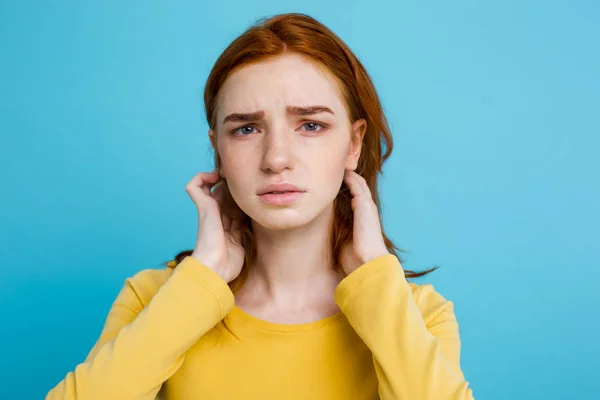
{"x": 179, "y": 332}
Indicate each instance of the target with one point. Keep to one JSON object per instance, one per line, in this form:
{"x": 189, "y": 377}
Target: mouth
{"x": 280, "y": 196}
{"x": 279, "y": 188}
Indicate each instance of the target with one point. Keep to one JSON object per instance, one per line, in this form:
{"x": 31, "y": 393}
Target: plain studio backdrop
{"x": 494, "y": 107}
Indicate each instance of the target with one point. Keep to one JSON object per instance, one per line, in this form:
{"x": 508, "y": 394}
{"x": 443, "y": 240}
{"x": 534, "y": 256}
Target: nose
{"x": 277, "y": 151}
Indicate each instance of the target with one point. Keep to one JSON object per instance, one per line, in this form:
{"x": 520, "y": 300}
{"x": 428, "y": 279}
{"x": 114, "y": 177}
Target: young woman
{"x": 292, "y": 291}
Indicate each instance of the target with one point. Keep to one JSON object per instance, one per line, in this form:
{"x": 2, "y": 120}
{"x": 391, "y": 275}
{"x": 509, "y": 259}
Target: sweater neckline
{"x": 275, "y": 327}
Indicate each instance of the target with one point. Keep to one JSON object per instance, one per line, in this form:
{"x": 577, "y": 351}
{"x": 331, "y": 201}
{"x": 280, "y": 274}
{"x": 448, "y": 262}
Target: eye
{"x": 247, "y": 130}
{"x": 312, "y": 126}
{"x": 243, "y": 131}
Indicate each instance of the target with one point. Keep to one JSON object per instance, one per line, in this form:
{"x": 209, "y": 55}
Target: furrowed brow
{"x": 291, "y": 110}
{"x": 308, "y": 110}
{"x": 244, "y": 117}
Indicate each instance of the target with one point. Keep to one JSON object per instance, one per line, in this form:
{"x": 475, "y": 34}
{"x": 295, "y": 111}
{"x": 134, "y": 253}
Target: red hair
{"x": 304, "y": 35}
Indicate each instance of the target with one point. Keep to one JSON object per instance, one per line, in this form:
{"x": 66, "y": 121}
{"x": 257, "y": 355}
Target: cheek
{"x": 231, "y": 161}
{"x": 332, "y": 160}
{"x": 328, "y": 172}
{"x": 238, "y": 171}
{"x": 332, "y": 169}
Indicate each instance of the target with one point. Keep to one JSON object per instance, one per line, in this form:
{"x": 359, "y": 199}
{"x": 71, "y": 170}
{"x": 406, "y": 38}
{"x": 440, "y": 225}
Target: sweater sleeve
{"x": 414, "y": 340}
{"x": 141, "y": 346}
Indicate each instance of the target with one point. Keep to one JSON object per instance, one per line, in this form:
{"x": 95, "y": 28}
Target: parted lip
{"x": 279, "y": 187}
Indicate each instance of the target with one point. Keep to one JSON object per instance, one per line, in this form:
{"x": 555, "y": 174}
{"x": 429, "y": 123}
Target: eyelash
{"x": 323, "y": 126}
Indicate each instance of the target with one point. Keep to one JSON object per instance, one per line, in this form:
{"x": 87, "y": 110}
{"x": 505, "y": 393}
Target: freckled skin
{"x": 311, "y": 151}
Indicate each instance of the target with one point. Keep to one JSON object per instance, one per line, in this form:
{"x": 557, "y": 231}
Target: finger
{"x": 350, "y": 183}
{"x": 363, "y": 184}
{"x": 198, "y": 188}
{"x": 204, "y": 181}
{"x": 218, "y": 191}
{"x": 205, "y": 178}
{"x": 354, "y": 184}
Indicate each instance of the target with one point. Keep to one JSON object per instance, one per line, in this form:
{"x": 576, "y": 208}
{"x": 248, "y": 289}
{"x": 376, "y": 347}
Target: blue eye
{"x": 249, "y": 129}
{"x": 242, "y": 130}
{"x": 313, "y": 124}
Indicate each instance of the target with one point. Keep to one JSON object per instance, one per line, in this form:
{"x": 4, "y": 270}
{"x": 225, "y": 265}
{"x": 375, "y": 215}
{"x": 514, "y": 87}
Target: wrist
{"x": 209, "y": 263}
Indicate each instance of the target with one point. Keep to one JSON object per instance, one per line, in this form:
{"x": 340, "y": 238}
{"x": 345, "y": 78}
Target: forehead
{"x": 273, "y": 84}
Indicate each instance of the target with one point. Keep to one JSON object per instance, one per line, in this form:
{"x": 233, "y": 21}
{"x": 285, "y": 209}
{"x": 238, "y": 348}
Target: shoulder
{"x": 432, "y": 305}
{"x": 141, "y": 287}
{"x": 135, "y": 294}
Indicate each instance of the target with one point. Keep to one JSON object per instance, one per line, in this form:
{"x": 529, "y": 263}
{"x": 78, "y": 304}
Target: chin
{"x": 281, "y": 219}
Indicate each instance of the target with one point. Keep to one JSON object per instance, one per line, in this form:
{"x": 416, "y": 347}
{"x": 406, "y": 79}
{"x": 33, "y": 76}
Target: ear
{"x": 213, "y": 141}
{"x": 359, "y": 128}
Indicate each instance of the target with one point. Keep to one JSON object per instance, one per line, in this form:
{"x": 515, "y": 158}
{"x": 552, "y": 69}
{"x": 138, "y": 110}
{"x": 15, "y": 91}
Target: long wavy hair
{"x": 304, "y": 35}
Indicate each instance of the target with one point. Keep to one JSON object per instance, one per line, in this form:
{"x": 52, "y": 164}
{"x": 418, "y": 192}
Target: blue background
{"x": 494, "y": 107}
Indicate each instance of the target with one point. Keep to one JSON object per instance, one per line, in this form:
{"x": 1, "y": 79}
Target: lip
{"x": 280, "y": 199}
{"x": 280, "y": 187}
{"x": 292, "y": 193}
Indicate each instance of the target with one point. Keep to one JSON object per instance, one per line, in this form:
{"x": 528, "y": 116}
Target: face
{"x": 284, "y": 121}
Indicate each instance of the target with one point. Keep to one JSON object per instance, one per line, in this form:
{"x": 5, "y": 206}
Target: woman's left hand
{"x": 367, "y": 242}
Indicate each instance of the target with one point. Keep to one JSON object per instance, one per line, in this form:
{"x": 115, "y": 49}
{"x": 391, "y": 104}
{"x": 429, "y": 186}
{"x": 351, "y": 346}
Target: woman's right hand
{"x": 218, "y": 245}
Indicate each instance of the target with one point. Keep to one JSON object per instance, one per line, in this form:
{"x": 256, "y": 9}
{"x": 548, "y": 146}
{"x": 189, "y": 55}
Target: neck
{"x": 294, "y": 267}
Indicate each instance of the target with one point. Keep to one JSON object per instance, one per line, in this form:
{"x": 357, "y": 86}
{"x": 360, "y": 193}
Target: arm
{"x": 141, "y": 347}
{"x": 416, "y": 352}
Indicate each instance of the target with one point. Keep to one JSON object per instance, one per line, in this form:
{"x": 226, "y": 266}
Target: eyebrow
{"x": 290, "y": 110}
